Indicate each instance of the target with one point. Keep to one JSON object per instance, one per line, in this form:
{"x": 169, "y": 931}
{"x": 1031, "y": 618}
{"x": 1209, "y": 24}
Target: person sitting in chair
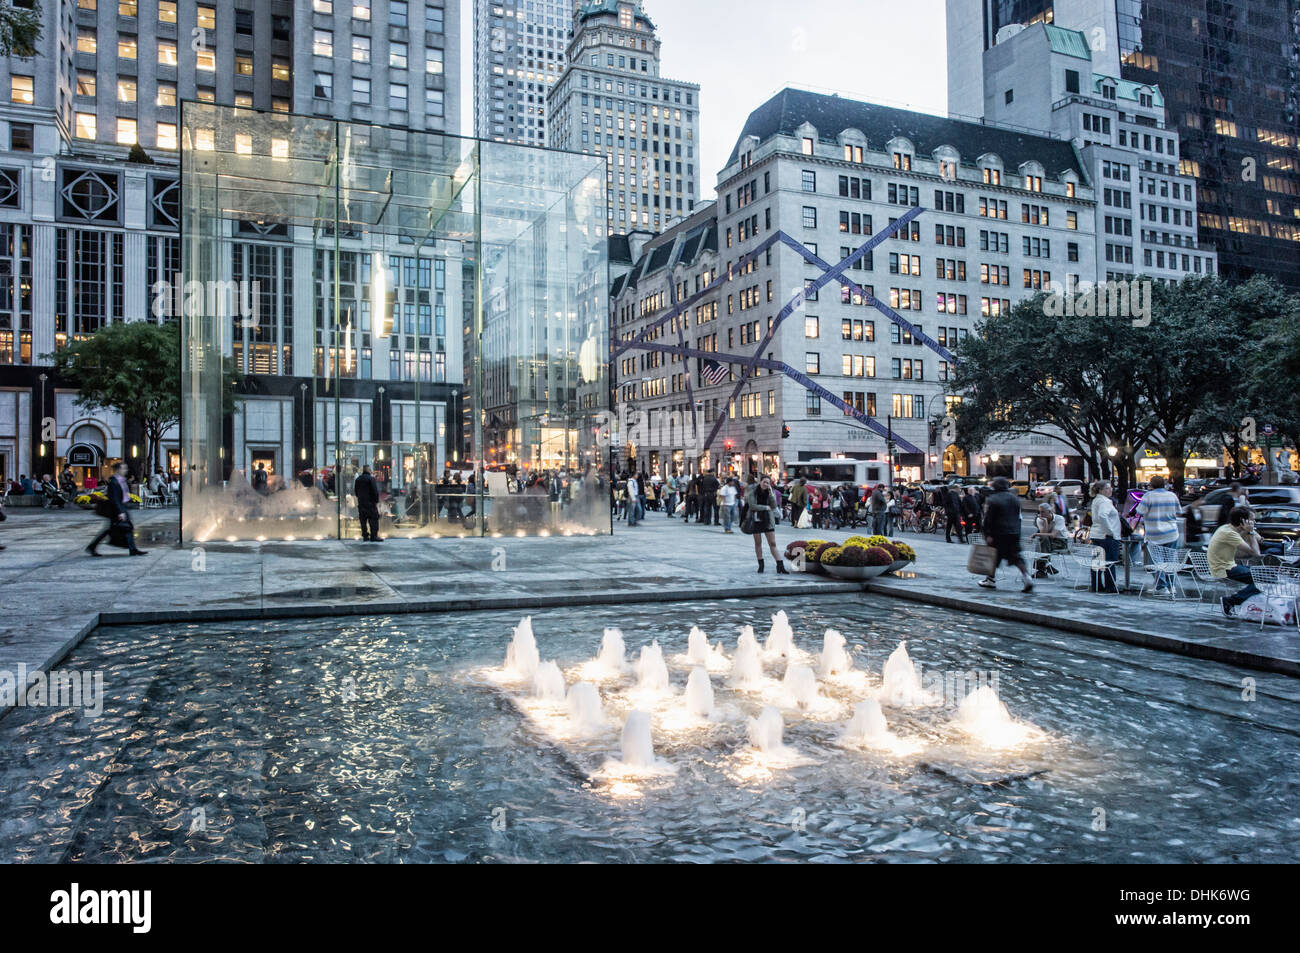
{"x": 1051, "y": 536}
{"x": 1237, "y": 539}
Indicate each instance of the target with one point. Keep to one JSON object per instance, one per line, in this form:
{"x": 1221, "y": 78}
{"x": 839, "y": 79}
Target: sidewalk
{"x": 52, "y": 595}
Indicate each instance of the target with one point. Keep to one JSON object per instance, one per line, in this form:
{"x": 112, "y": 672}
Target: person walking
{"x": 798, "y": 500}
{"x": 761, "y": 503}
{"x": 1105, "y": 532}
{"x": 1158, "y": 510}
{"x": 1002, "y": 531}
{"x": 115, "y": 509}
{"x": 692, "y": 498}
{"x": 730, "y": 492}
{"x": 878, "y": 507}
{"x": 366, "y": 489}
{"x": 633, "y": 496}
{"x": 708, "y": 497}
{"x": 952, "y": 509}
{"x": 670, "y": 489}
{"x": 970, "y": 510}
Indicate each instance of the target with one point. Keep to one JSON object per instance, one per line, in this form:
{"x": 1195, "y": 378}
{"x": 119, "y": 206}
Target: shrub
{"x": 857, "y": 541}
{"x": 876, "y": 540}
{"x": 830, "y": 555}
{"x": 877, "y": 556}
{"x": 890, "y": 548}
{"x": 816, "y": 550}
{"x": 792, "y": 549}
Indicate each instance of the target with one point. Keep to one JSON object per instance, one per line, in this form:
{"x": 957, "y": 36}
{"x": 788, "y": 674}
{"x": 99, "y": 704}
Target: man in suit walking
{"x": 366, "y": 489}
{"x": 115, "y": 510}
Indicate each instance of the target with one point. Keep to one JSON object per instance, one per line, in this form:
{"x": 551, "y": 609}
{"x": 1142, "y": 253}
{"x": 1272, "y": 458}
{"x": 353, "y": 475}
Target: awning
{"x": 84, "y": 455}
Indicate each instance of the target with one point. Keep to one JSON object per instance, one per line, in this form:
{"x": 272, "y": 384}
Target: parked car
{"x": 1021, "y": 487}
{"x": 1204, "y": 516}
{"x": 1278, "y": 522}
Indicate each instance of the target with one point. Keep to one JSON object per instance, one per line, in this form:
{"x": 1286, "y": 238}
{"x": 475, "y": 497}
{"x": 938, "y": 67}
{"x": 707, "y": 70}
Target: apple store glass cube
{"x": 430, "y": 306}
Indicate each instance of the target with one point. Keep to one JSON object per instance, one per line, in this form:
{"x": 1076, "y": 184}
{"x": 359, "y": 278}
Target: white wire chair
{"x": 1164, "y": 564}
{"x": 1199, "y": 561}
{"x": 1277, "y": 582}
{"x": 1089, "y": 558}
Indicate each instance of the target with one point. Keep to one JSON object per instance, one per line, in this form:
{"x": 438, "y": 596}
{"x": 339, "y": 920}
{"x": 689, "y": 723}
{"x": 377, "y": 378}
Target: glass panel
{"x": 423, "y": 303}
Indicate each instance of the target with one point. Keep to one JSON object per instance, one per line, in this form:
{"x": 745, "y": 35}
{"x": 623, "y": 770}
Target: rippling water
{"x": 375, "y": 739}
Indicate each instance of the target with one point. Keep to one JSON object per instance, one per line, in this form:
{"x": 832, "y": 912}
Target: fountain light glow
{"x": 984, "y": 717}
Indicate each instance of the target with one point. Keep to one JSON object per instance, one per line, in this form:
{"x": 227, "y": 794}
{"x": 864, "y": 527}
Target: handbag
{"x": 983, "y": 560}
{"x": 747, "y": 524}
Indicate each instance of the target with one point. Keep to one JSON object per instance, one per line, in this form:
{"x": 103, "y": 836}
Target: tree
{"x": 132, "y": 367}
{"x": 20, "y": 29}
{"x": 1272, "y": 369}
{"x": 1035, "y": 371}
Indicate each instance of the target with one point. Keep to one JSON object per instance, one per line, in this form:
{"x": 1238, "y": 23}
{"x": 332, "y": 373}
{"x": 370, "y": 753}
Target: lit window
{"x": 204, "y": 140}
{"x": 205, "y": 60}
{"x": 127, "y": 8}
{"x": 166, "y": 11}
{"x": 807, "y": 147}
{"x": 22, "y": 90}
{"x": 87, "y": 41}
{"x": 280, "y": 69}
{"x": 243, "y": 143}
{"x": 361, "y": 49}
{"x": 85, "y": 84}
{"x": 244, "y": 65}
{"x": 166, "y": 94}
{"x": 85, "y": 125}
{"x": 322, "y": 43}
{"x": 126, "y": 90}
{"x": 87, "y": 4}
{"x": 126, "y": 132}
{"x": 244, "y": 99}
{"x": 207, "y": 18}
{"x": 361, "y": 9}
{"x": 126, "y": 48}
{"x": 205, "y": 94}
{"x": 280, "y": 105}
{"x": 322, "y": 6}
{"x": 166, "y": 53}
{"x": 166, "y": 135}
{"x": 433, "y": 61}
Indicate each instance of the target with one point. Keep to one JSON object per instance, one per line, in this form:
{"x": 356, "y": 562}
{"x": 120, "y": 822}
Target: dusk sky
{"x": 741, "y": 52}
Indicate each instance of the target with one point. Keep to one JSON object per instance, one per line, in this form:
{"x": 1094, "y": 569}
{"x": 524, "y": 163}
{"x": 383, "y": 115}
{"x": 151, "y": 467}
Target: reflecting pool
{"x": 404, "y": 738}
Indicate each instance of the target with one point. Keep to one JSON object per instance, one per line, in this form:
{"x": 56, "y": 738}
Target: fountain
{"x": 766, "y": 730}
{"x": 637, "y": 747}
{"x": 984, "y": 717}
{"x": 835, "y": 659}
{"x": 651, "y": 670}
{"x": 586, "y": 715}
{"x": 699, "y": 693}
{"x": 521, "y": 655}
{"x": 800, "y": 685}
{"x": 548, "y": 683}
{"x": 902, "y": 685}
{"x": 612, "y": 651}
{"x": 697, "y": 651}
{"x": 868, "y": 729}
{"x": 747, "y": 665}
{"x": 780, "y": 638}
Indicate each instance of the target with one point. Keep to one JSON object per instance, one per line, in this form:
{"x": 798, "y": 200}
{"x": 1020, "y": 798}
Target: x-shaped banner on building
{"x": 755, "y": 360}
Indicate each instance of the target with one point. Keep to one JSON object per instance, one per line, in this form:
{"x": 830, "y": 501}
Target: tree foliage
{"x": 20, "y": 29}
{"x": 1210, "y": 350}
{"x": 132, "y": 367}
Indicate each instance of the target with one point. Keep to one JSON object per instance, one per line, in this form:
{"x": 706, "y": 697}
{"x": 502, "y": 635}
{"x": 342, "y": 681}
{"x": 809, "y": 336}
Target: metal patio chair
{"x": 1088, "y": 558}
{"x": 1278, "y": 582}
{"x": 1166, "y": 562}
{"x": 1206, "y": 582}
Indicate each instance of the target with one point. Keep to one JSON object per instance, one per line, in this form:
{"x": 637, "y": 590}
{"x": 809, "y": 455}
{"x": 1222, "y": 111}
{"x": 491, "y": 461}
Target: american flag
{"x": 713, "y": 372}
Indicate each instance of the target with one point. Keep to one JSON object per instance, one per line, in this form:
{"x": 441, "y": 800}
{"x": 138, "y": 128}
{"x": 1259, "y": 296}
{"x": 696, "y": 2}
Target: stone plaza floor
{"x": 52, "y": 594}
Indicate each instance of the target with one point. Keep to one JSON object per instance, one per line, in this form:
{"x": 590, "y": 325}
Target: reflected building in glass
{"x": 330, "y": 273}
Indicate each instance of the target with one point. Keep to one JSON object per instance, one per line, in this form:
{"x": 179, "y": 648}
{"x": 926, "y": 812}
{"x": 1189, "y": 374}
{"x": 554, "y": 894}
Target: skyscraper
{"x": 1231, "y": 77}
{"x": 611, "y": 100}
{"x": 90, "y": 209}
{"x": 519, "y": 55}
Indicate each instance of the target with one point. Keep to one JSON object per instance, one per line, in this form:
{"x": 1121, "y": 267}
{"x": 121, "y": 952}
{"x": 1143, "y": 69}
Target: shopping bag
{"x": 1275, "y": 610}
{"x": 983, "y": 560}
{"x": 681, "y": 507}
{"x": 805, "y": 519}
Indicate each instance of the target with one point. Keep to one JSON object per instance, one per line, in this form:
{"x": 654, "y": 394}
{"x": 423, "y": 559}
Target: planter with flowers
{"x": 904, "y": 555}
{"x": 857, "y": 562}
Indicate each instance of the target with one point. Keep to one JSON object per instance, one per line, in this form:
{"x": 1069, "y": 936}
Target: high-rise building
{"x": 1043, "y": 77}
{"x": 1230, "y": 79}
{"x": 1007, "y": 214}
{"x": 90, "y": 205}
{"x": 519, "y": 55}
{"x": 612, "y": 101}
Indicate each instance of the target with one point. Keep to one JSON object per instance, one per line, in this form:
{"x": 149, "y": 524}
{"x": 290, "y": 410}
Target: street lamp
{"x": 43, "y": 378}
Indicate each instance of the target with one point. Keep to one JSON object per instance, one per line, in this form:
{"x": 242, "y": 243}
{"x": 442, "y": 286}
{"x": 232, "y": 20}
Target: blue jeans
{"x": 878, "y": 524}
{"x": 728, "y": 515}
{"x": 1240, "y": 573}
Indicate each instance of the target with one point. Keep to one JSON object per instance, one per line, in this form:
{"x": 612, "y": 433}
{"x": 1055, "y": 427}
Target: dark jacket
{"x": 970, "y": 506}
{"x": 1002, "y": 514}
{"x": 116, "y": 502}
{"x": 952, "y": 503}
{"x": 366, "y": 490}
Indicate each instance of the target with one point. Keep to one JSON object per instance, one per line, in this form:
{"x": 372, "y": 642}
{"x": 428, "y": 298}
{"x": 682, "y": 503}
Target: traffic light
{"x": 728, "y": 445}
{"x": 785, "y": 431}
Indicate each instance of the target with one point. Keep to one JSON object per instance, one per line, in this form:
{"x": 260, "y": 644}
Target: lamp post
{"x": 41, "y": 451}
{"x": 302, "y": 389}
